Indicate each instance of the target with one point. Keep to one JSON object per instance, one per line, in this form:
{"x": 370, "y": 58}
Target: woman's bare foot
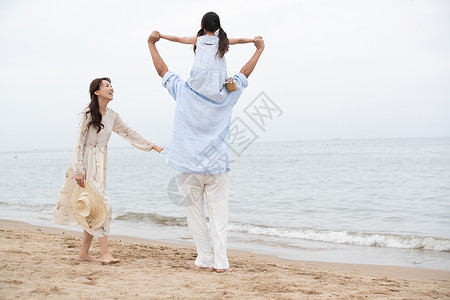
{"x": 87, "y": 258}
{"x": 224, "y": 270}
{"x": 108, "y": 259}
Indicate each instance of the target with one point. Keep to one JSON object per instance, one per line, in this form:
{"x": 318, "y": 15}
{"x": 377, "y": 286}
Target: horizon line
{"x": 256, "y": 142}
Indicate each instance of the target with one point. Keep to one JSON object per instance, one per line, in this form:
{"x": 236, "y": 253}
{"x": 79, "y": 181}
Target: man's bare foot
{"x": 108, "y": 259}
{"x": 224, "y": 270}
{"x": 197, "y": 268}
{"x": 87, "y": 258}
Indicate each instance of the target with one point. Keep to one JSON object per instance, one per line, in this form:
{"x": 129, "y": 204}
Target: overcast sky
{"x": 337, "y": 69}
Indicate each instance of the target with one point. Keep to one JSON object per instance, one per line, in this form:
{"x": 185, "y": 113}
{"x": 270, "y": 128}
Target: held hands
{"x": 259, "y": 43}
{"x": 80, "y": 179}
{"x": 154, "y": 37}
{"x": 157, "y": 149}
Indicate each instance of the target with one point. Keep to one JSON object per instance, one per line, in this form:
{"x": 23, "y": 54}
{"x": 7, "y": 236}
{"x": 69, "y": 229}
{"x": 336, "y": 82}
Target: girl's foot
{"x": 87, "y": 258}
{"x": 108, "y": 259}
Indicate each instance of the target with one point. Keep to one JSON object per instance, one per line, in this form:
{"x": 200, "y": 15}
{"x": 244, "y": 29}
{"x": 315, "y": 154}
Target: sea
{"x": 378, "y": 201}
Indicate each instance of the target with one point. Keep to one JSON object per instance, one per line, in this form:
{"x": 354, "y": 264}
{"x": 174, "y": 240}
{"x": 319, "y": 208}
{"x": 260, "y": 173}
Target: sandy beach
{"x": 41, "y": 262}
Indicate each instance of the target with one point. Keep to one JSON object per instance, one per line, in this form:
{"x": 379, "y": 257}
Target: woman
{"x": 89, "y": 163}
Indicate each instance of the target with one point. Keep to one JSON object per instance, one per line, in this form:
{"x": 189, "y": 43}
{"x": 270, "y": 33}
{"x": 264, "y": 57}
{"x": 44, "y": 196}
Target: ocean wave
{"x": 153, "y": 218}
{"x": 330, "y": 236}
{"x": 345, "y": 237}
{"x": 24, "y": 206}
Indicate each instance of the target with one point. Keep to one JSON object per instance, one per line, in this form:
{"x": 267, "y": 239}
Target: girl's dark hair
{"x": 211, "y": 23}
{"x": 94, "y": 109}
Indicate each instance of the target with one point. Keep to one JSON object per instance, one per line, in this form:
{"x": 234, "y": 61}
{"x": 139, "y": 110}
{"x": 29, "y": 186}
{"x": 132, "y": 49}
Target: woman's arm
{"x": 78, "y": 149}
{"x": 248, "y": 68}
{"x": 183, "y": 40}
{"x": 132, "y": 136}
{"x": 240, "y": 41}
{"x": 158, "y": 62}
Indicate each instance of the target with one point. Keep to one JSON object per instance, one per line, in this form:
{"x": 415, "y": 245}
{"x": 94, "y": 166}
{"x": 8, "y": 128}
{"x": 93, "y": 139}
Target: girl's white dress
{"x": 90, "y": 158}
{"x": 209, "y": 72}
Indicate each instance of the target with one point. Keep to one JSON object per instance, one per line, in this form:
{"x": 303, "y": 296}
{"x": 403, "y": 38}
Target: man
{"x": 199, "y": 150}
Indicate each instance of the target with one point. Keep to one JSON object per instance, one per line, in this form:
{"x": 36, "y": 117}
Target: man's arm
{"x": 248, "y": 68}
{"x": 160, "y": 65}
{"x": 240, "y": 41}
{"x": 183, "y": 40}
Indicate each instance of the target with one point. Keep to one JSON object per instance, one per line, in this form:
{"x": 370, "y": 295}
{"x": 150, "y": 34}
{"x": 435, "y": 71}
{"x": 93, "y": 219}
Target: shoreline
{"x": 400, "y": 272}
{"x": 38, "y": 261}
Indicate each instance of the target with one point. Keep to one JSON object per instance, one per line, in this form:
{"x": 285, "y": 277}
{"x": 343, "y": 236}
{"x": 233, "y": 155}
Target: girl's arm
{"x": 240, "y": 41}
{"x": 183, "y": 40}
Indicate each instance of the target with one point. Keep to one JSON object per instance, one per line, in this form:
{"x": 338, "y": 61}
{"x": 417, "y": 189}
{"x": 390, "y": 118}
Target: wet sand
{"x": 41, "y": 262}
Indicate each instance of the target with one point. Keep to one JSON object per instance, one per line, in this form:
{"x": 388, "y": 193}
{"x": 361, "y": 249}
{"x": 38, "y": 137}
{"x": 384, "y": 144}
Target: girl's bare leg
{"x": 105, "y": 256}
{"x": 86, "y": 241}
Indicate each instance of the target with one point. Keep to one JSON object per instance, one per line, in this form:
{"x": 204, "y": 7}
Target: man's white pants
{"x": 214, "y": 189}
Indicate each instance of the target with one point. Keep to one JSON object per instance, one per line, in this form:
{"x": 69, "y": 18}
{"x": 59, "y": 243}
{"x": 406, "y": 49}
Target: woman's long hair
{"x": 94, "y": 109}
{"x": 211, "y": 23}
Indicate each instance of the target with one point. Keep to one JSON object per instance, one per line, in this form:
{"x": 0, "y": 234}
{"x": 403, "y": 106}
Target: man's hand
{"x": 259, "y": 43}
{"x": 154, "y": 37}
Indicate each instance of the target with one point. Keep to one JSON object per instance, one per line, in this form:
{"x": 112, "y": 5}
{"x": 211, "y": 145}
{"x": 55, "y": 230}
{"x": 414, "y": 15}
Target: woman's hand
{"x": 80, "y": 179}
{"x": 157, "y": 149}
{"x": 154, "y": 37}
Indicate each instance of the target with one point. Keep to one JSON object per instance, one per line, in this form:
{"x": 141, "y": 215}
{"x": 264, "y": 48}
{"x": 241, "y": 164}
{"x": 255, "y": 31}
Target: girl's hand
{"x": 157, "y": 149}
{"x": 80, "y": 179}
{"x": 154, "y": 37}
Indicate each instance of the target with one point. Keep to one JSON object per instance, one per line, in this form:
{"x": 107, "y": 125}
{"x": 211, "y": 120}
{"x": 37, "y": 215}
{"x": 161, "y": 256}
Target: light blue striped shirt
{"x": 200, "y": 128}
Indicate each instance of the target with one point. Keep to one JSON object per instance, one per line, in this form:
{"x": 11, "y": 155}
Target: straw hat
{"x": 87, "y": 207}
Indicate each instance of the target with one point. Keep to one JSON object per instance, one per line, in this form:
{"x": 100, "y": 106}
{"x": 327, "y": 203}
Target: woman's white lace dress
{"x": 90, "y": 158}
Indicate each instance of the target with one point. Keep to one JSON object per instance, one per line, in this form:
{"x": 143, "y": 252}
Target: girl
{"x": 209, "y": 72}
{"x": 89, "y": 163}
